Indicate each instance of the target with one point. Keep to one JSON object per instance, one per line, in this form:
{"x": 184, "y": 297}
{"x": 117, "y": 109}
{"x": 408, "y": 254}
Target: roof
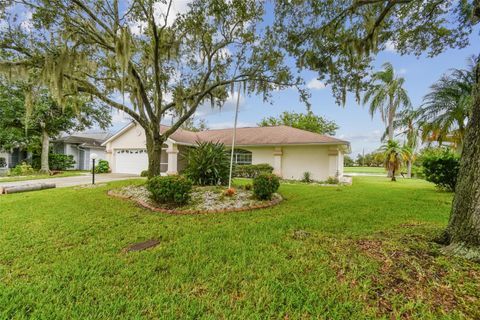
{"x": 248, "y": 136}
{"x": 274, "y": 135}
{"x": 90, "y": 139}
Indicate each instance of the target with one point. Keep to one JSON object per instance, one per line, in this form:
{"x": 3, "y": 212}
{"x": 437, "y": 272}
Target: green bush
{"x": 57, "y": 161}
{"x": 251, "y": 170}
{"x": 208, "y": 164}
{"x": 170, "y": 189}
{"x": 102, "y": 167}
{"x": 442, "y": 169}
{"x": 332, "y": 180}
{"x": 265, "y": 185}
{"x": 3, "y": 162}
{"x": 307, "y": 177}
{"x": 23, "y": 169}
{"x": 144, "y": 173}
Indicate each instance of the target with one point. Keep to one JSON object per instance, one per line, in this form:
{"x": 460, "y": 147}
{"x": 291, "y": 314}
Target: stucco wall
{"x": 298, "y": 159}
{"x": 261, "y": 154}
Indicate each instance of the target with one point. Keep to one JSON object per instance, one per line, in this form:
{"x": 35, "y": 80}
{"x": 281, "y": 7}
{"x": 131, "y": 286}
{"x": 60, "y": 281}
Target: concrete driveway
{"x": 75, "y": 181}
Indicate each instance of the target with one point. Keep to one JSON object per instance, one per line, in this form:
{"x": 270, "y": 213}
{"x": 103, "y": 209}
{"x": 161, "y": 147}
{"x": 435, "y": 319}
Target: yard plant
{"x": 102, "y": 167}
{"x": 174, "y": 190}
{"x": 442, "y": 169}
{"x": 265, "y": 185}
{"x": 208, "y": 164}
{"x": 251, "y": 170}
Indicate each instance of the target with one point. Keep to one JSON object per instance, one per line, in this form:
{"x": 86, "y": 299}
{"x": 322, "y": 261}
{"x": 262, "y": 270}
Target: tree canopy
{"x": 144, "y": 58}
{"x": 305, "y": 121}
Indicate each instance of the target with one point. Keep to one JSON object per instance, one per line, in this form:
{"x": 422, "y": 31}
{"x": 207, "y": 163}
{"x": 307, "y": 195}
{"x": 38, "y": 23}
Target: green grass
{"x": 63, "y": 174}
{"x": 379, "y": 170}
{"x": 357, "y": 252}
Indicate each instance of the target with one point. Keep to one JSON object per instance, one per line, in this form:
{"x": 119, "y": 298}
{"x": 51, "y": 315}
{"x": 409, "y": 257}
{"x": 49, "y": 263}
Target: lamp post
{"x": 93, "y": 156}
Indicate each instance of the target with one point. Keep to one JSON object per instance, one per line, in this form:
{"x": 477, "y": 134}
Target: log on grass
{"x": 28, "y": 187}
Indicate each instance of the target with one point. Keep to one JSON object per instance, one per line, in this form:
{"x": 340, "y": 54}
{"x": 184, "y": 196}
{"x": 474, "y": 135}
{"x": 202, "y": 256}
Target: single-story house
{"x": 10, "y": 158}
{"x": 81, "y": 145}
{"x": 290, "y": 151}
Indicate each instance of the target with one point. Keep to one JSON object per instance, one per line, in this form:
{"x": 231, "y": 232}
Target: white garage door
{"x": 131, "y": 161}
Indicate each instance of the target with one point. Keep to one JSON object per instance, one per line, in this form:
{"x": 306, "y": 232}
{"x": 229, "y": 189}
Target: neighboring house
{"x": 290, "y": 151}
{"x": 81, "y": 145}
{"x": 13, "y": 157}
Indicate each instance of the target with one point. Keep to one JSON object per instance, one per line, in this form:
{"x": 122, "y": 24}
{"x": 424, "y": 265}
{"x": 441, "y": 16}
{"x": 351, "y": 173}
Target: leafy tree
{"x": 164, "y": 63}
{"x": 340, "y": 38}
{"x": 446, "y": 109}
{"x": 46, "y": 119}
{"x": 191, "y": 125}
{"x": 305, "y": 121}
{"x": 387, "y": 95}
{"x": 208, "y": 164}
{"x": 395, "y": 155}
{"x": 348, "y": 161}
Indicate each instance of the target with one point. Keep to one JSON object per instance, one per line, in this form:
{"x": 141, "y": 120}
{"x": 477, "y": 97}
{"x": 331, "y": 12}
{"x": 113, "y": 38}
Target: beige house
{"x": 290, "y": 151}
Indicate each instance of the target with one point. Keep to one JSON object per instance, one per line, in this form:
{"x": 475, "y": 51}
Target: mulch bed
{"x": 142, "y": 199}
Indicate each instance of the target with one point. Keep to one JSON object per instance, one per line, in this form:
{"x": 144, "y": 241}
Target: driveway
{"x": 75, "y": 181}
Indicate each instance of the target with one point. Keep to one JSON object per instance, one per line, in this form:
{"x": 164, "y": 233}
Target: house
{"x": 10, "y": 158}
{"x": 290, "y": 151}
{"x": 80, "y": 145}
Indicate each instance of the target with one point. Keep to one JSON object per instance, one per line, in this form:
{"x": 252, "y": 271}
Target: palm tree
{"x": 387, "y": 95}
{"x": 446, "y": 109}
{"x": 395, "y": 154}
{"x": 406, "y": 124}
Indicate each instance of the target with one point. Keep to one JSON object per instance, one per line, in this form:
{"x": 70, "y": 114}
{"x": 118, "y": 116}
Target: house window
{"x": 242, "y": 156}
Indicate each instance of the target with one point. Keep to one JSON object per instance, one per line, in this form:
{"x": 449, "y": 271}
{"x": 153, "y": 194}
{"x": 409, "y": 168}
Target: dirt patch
{"x": 410, "y": 273}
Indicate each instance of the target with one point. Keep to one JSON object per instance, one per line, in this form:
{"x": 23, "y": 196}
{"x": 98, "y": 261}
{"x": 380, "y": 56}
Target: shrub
{"x": 23, "y": 169}
{"x": 332, "y": 180}
{"x": 307, "y": 177}
{"x": 442, "y": 169}
{"x": 57, "y": 161}
{"x": 170, "y": 189}
{"x": 208, "y": 164}
{"x": 265, "y": 185}
{"x": 144, "y": 173}
{"x": 251, "y": 170}
{"x": 102, "y": 167}
{"x": 3, "y": 162}
{"x": 248, "y": 187}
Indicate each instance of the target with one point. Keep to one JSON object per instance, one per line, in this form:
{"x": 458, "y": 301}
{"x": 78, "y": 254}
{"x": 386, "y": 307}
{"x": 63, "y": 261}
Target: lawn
{"x": 379, "y": 170}
{"x": 356, "y": 252}
{"x": 43, "y": 176}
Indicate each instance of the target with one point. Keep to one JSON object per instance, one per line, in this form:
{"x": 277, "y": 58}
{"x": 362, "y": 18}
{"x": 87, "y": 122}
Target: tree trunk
{"x": 44, "y": 168}
{"x": 391, "y": 115}
{"x": 154, "y": 150}
{"x": 462, "y": 235}
{"x": 409, "y": 169}
{"x": 393, "y": 175}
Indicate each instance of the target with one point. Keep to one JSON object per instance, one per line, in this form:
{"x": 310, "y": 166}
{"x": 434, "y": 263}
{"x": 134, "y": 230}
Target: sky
{"x": 356, "y": 125}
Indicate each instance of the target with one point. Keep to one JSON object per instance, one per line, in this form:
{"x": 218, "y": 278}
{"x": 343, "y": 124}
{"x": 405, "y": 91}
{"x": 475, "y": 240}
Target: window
{"x": 242, "y": 156}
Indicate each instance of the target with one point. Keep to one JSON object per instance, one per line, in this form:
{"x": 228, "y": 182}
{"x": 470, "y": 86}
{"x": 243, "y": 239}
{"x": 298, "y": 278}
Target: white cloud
{"x": 315, "y": 84}
{"x": 160, "y": 11}
{"x": 390, "y": 46}
{"x": 120, "y": 117}
{"x": 229, "y": 106}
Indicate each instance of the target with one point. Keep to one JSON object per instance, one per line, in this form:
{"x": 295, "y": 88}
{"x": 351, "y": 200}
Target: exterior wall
{"x": 101, "y": 155}
{"x": 71, "y": 149}
{"x": 133, "y": 138}
{"x": 299, "y": 159}
{"x": 261, "y": 154}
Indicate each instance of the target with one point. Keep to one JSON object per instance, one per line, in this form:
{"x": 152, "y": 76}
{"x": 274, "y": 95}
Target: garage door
{"x": 131, "y": 161}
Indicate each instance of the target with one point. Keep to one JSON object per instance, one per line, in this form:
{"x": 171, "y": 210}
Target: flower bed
{"x": 203, "y": 200}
